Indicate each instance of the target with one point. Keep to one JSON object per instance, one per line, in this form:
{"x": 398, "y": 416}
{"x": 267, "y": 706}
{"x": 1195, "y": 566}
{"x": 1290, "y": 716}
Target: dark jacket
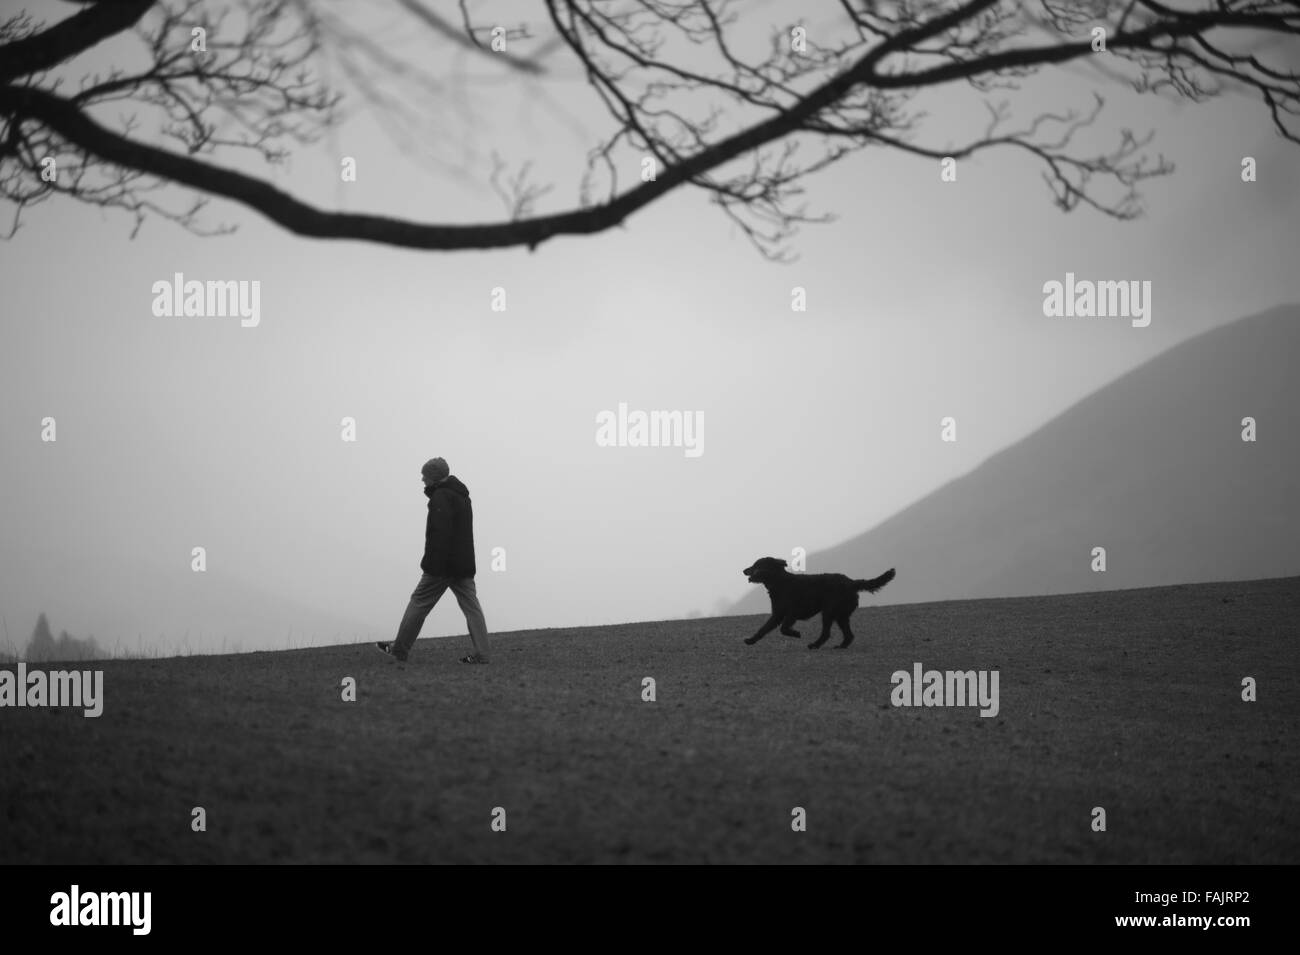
{"x": 449, "y": 531}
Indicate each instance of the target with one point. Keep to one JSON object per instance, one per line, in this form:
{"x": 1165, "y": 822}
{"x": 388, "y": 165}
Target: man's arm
{"x": 438, "y": 529}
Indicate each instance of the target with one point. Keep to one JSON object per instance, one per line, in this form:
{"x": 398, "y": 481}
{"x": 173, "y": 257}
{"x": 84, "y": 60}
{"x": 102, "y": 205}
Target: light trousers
{"x": 427, "y": 593}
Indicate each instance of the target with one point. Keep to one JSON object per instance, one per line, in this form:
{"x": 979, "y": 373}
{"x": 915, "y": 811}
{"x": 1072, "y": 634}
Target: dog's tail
{"x": 871, "y": 586}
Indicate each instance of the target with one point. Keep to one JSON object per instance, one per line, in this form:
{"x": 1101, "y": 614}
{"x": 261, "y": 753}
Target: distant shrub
{"x": 43, "y": 647}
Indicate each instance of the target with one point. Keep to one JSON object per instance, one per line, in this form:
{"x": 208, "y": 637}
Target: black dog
{"x": 800, "y": 596}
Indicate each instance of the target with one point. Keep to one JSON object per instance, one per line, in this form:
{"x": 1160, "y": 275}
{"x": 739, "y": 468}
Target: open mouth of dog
{"x": 763, "y": 568}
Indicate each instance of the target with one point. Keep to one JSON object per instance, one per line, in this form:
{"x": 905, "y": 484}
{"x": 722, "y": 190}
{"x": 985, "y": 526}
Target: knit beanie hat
{"x": 435, "y": 470}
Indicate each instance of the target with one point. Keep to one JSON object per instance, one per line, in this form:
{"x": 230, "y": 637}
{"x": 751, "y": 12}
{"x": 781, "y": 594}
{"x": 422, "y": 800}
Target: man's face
{"x": 428, "y": 481}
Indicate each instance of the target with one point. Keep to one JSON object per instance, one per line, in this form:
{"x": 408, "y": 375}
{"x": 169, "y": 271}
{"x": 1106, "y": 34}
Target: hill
{"x": 1130, "y": 701}
{"x": 1151, "y": 467}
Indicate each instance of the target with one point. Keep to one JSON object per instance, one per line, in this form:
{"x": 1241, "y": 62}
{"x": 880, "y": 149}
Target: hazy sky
{"x": 924, "y": 300}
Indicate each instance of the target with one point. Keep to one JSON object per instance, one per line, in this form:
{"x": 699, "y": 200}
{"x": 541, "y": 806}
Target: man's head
{"x": 434, "y": 470}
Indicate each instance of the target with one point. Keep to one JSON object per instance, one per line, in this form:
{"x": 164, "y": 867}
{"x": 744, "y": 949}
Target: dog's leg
{"x": 787, "y": 627}
{"x": 826, "y": 633}
{"x": 848, "y": 634}
{"x": 764, "y": 630}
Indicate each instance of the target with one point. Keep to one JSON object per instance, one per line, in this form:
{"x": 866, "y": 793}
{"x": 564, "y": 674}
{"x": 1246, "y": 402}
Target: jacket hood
{"x": 452, "y": 484}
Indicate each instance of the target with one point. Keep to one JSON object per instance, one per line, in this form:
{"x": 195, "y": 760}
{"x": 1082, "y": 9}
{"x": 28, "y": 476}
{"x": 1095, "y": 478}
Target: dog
{"x": 800, "y": 596}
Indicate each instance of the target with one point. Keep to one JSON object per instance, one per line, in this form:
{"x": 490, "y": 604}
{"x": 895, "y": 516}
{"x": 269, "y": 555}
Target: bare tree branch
{"x": 677, "y": 85}
{"x": 64, "y": 40}
{"x": 467, "y": 39}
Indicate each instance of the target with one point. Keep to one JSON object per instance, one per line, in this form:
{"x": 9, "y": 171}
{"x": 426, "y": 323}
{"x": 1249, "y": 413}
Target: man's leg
{"x": 426, "y": 594}
{"x": 467, "y": 597}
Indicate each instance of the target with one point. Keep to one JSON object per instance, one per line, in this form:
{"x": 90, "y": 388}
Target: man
{"x": 448, "y": 562}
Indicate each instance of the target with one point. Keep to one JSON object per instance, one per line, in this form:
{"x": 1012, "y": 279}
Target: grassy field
{"x": 1126, "y": 700}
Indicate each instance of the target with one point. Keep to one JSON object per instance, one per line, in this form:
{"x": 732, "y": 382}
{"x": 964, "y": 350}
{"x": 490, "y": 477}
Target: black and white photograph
{"x": 650, "y": 432}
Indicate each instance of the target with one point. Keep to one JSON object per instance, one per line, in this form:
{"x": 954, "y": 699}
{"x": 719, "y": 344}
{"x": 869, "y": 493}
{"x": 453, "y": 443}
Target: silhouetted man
{"x": 448, "y": 562}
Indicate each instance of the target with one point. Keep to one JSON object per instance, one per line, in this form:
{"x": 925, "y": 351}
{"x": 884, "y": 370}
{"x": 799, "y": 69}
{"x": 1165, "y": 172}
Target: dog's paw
{"x": 750, "y": 641}
{"x": 814, "y": 646}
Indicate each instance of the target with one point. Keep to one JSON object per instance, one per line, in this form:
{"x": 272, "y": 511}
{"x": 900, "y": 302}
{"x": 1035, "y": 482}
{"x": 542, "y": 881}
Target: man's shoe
{"x": 387, "y": 648}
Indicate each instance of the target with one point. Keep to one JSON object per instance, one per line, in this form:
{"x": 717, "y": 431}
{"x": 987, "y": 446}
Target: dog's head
{"x": 764, "y": 569}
